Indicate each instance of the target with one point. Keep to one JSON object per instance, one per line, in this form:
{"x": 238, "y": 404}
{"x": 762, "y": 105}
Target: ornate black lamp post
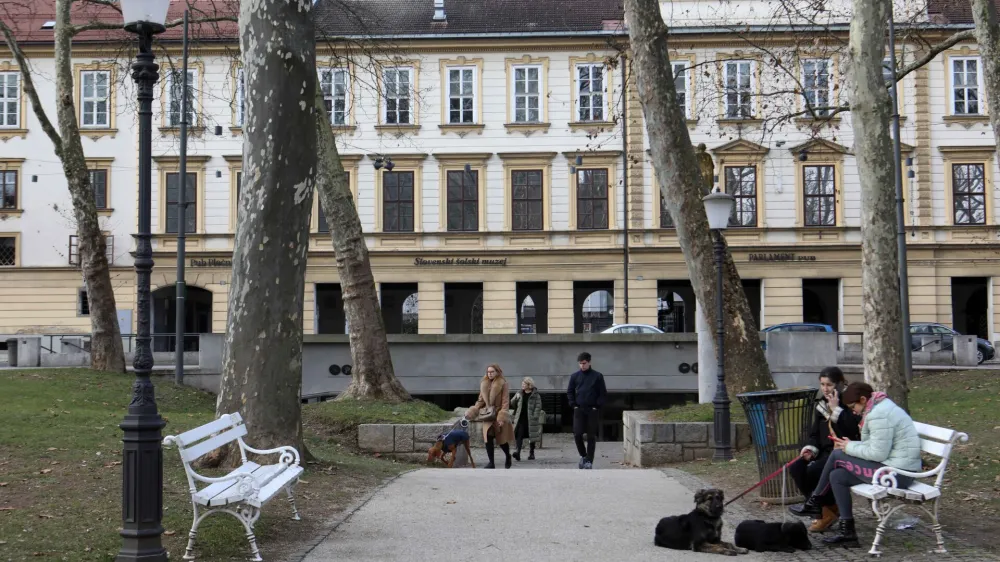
{"x": 719, "y": 207}
{"x": 142, "y": 458}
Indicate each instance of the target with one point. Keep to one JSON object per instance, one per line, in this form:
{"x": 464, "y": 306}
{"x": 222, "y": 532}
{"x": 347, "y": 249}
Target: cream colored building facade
{"x": 519, "y": 198}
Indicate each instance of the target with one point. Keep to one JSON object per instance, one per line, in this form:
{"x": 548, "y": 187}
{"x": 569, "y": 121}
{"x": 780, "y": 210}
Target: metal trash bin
{"x": 779, "y": 425}
{"x": 12, "y": 352}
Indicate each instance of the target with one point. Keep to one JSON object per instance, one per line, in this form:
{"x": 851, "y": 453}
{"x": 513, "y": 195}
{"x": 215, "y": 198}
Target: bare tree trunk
{"x": 870, "y": 113}
{"x": 680, "y": 182}
{"x": 262, "y": 364}
{"x": 106, "y": 352}
{"x": 984, "y": 12}
{"x": 372, "y": 376}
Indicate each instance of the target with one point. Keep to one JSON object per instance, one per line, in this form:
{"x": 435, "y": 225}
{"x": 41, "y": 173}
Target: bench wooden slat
{"x": 195, "y": 452}
{"x": 934, "y": 448}
{"x": 277, "y": 484}
{"x": 201, "y": 432}
{"x": 934, "y": 432}
{"x": 204, "y": 495}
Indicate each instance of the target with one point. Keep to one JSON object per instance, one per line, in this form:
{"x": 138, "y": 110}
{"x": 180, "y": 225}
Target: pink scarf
{"x": 875, "y": 399}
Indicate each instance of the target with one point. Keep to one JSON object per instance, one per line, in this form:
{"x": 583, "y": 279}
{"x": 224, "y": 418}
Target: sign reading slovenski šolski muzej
{"x": 481, "y": 262}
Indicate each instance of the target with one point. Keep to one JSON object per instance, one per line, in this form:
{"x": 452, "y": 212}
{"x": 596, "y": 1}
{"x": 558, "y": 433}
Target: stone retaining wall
{"x": 653, "y": 443}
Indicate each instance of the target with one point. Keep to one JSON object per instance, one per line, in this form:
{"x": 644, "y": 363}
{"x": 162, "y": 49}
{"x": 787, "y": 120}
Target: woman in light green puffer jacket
{"x": 888, "y": 438}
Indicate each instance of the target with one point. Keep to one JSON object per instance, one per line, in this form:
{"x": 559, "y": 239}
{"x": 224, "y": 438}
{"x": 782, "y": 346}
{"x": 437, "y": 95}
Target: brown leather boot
{"x": 830, "y": 516}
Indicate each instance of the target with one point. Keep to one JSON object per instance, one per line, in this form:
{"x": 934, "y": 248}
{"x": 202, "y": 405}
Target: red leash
{"x": 765, "y": 481}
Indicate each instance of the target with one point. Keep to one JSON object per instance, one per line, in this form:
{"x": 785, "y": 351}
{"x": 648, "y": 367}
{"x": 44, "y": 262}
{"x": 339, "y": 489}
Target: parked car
{"x": 984, "y": 349}
{"x": 632, "y": 329}
{"x": 797, "y": 327}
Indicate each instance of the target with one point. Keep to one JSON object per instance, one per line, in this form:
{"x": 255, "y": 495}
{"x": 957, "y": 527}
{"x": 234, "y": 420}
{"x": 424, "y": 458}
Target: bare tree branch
{"x": 935, "y": 50}
{"x": 29, "y": 87}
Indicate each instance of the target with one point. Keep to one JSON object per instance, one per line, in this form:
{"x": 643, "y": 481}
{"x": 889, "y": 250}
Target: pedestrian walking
{"x": 492, "y": 408}
{"x": 805, "y": 472}
{"x": 527, "y": 411}
{"x": 586, "y": 395}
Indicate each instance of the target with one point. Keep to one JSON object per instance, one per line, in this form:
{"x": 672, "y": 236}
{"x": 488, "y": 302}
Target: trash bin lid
{"x": 772, "y": 394}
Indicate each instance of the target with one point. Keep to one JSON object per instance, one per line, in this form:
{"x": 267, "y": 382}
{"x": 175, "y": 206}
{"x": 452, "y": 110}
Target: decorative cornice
{"x": 526, "y": 155}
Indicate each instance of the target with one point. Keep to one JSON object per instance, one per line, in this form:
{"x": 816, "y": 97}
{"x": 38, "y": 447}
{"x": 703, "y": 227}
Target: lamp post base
{"x": 722, "y": 430}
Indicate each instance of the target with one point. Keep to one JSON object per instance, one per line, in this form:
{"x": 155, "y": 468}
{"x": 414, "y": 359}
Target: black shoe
{"x": 583, "y": 461}
{"x": 517, "y": 456}
{"x": 508, "y": 463}
{"x": 846, "y": 535}
{"x": 809, "y": 509}
{"x": 531, "y": 455}
{"x": 491, "y": 465}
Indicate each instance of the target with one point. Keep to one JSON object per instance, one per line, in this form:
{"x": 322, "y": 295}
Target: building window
{"x": 681, "y": 85}
{"x": 816, "y": 85}
{"x": 461, "y": 95}
{"x": 10, "y": 100}
{"x": 333, "y": 82}
{"x": 99, "y": 183}
{"x": 463, "y": 200}
{"x": 397, "y": 95}
{"x": 175, "y": 86}
{"x": 820, "y": 195}
{"x": 741, "y": 183}
{"x": 666, "y": 221}
{"x": 527, "y": 94}
{"x": 527, "y": 207}
{"x": 94, "y": 97}
{"x": 83, "y": 303}
{"x": 8, "y": 185}
{"x": 590, "y": 92}
{"x": 738, "y": 81}
{"x": 969, "y": 193}
{"x": 965, "y": 85}
{"x": 592, "y": 199}
{"x": 190, "y": 198}
{"x": 397, "y": 201}
{"x": 8, "y": 251}
{"x": 241, "y": 97}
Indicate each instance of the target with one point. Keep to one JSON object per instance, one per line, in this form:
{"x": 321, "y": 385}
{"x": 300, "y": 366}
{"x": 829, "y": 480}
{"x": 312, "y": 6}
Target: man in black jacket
{"x": 586, "y": 394}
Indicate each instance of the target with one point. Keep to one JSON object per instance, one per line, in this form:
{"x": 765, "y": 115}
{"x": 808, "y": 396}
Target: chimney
{"x": 439, "y": 14}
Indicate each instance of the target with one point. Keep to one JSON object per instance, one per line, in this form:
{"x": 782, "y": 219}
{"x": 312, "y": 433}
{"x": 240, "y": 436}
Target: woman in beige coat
{"x": 493, "y": 405}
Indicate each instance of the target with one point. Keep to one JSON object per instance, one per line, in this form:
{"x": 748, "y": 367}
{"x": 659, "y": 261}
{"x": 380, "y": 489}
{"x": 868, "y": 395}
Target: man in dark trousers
{"x": 586, "y": 394}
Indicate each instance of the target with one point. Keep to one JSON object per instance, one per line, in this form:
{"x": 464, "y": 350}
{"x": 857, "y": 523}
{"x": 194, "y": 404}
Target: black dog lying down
{"x": 761, "y": 536}
{"x": 700, "y": 530}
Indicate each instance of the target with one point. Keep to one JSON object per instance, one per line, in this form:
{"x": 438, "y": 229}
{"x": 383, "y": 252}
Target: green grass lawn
{"x": 60, "y": 472}
{"x": 697, "y": 413}
{"x": 343, "y": 418}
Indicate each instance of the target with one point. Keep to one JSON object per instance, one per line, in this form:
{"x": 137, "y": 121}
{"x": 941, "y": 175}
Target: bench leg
{"x": 291, "y": 500}
{"x": 936, "y": 526}
{"x": 193, "y": 534}
{"x": 248, "y": 516}
{"x": 883, "y": 512}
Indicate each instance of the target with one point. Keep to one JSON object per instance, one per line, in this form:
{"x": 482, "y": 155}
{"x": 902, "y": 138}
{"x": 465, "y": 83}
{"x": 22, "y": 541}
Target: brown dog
{"x": 448, "y": 443}
{"x": 700, "y": 530}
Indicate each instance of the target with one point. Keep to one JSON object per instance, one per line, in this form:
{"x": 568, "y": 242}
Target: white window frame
{"x": 580, "y": 94}
{"x": 328, "y": 82}
{"x": 5, "y": 101}
{"x": 816, "y": 103}
{"x": 383, "y": 94}
{"x": 192, "y": 110}
{"x": 241, "y": 98}
{"x": 979, "y": 89}
{"x": 462, "y": 96}
{"x": 682, "y": 68}
{"x": 749, "y": 93}
{"x": 95, "y": 99}
{"x": 527, "y": 96}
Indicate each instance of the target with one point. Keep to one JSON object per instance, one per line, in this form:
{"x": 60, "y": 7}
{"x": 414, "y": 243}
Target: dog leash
{"x": 766, "y": 480}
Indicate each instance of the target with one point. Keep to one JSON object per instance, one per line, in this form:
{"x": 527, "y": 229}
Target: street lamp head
{"x": 389, "y": 165}
{"x": 149, "y": 16}
{"x": 718, "y": 207}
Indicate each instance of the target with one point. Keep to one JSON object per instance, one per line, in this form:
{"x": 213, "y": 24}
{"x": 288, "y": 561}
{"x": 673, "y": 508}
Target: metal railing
{"x": 57, "y": 343}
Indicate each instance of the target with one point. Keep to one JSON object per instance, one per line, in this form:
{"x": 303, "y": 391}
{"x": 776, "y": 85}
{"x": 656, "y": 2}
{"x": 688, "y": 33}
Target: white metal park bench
{"x": 242, "y": 492}
{"x": 887, "y": 498}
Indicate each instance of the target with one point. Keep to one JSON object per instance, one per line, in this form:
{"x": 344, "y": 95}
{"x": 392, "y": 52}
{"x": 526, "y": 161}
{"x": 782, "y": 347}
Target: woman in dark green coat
{"x": 527, "y": 408}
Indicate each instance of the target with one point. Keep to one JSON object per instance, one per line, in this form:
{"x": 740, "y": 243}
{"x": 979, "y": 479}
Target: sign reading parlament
{"x": 781, "y": 257}
{"x": 486, "y": 262}
{"x": 211, "y": 262}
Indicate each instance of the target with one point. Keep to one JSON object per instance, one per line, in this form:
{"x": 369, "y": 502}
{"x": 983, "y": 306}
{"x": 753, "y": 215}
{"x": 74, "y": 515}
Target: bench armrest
{"x": 886, "y": 476}
{"x": 288, "y": 454}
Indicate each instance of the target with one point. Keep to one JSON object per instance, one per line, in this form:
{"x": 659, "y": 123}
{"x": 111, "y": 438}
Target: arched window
{"x": 529, "y": 323}
{"x": 598, "y": 311}
{"x": 410, "y": 315}
{"x": 670, "y": 312}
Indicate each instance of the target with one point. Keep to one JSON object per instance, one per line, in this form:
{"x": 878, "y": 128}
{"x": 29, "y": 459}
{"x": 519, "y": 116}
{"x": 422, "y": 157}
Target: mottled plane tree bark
{"x": 680, "y": 180}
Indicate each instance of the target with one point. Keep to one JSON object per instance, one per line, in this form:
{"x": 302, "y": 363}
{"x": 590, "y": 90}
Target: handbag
{"x": 486, "y": 414}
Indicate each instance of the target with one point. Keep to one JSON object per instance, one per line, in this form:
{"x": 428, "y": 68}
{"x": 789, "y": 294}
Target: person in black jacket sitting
{"x": 586, "y": 395}
{"x": 829, "y": 414}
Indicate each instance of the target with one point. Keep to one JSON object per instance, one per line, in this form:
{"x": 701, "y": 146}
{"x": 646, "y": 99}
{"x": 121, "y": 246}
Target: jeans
{"x": 843, "y": 471}
{"x": 585, "y": 420}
